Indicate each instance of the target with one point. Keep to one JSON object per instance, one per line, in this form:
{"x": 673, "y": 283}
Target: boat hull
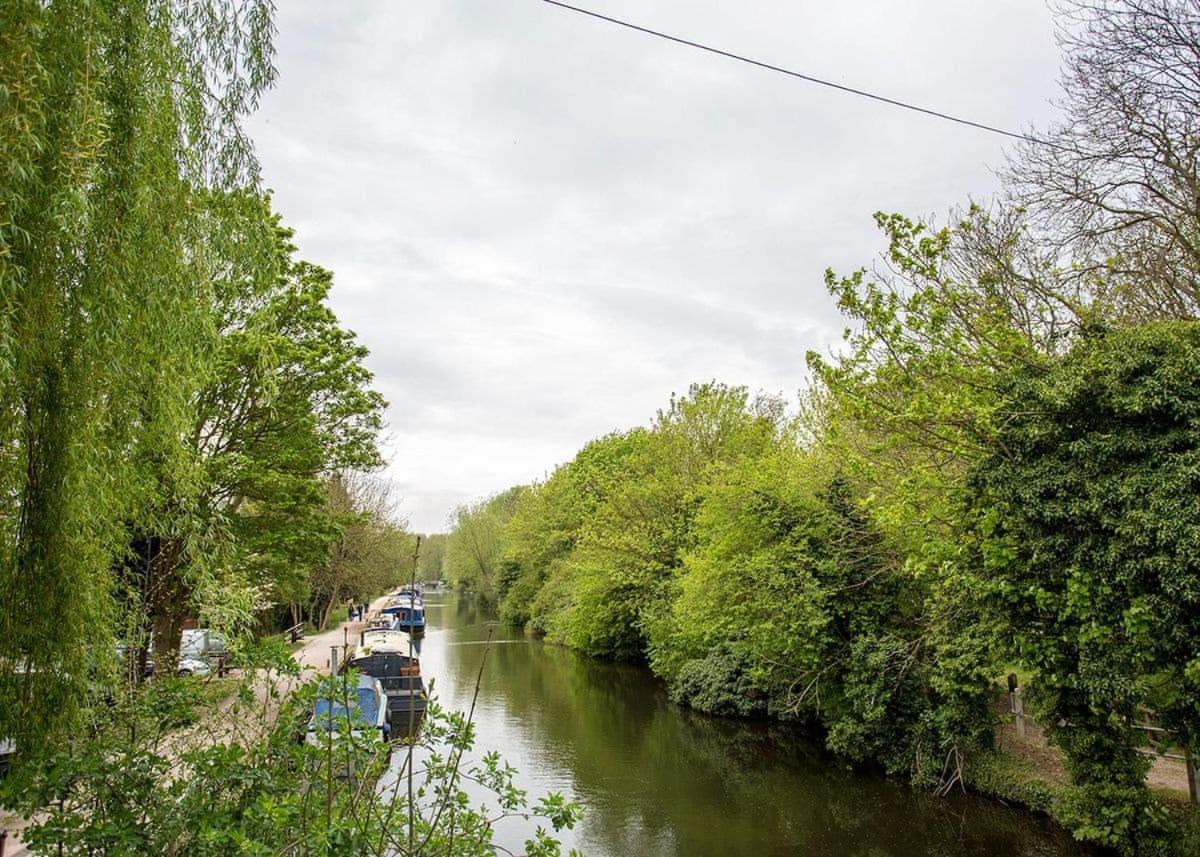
{"x": 406, "y": 702}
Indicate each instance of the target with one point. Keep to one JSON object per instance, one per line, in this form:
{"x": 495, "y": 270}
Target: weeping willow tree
{"x": 116, "y": 117}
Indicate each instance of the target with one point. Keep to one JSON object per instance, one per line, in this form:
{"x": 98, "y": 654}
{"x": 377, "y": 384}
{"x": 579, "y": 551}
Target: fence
{"x": 1016, "y": 707}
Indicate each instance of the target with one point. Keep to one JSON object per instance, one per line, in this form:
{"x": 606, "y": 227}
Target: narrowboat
{"x": 407, "y": 614}
{"x": 384, "y": 655}
{"x": 359, "y": 712}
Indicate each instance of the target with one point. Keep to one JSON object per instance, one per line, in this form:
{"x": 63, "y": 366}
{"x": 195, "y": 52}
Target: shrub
{"x": 719, "y": 684}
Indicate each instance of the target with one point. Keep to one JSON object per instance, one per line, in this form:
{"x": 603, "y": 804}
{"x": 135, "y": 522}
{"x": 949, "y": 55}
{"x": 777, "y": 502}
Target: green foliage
{"x": 986, "y": 474}
{"x": 174, "y": 390}
{"x": 594, "y": 553}
{"x": 1089, "y": 535}
{"x": 474, "y": 547}
{"x": 237, "y": 780}
{"x": 743, "y": 565}
{"x": 111, "y": 116}
{"x": 286, "y": 405}
{"x": 965, "y": 489}
{"x": 431, "y": 565}
{"x": 916, "y": 396}
{"x": 719, "y": 683}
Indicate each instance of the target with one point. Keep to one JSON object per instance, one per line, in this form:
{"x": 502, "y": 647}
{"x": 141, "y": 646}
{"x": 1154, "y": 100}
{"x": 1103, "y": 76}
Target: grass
{"x": 216, "y": 690}
{"x": 336, "y": 618}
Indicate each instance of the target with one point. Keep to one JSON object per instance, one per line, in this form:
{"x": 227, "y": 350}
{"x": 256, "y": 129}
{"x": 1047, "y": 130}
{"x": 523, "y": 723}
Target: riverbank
{"x": 1022, "y": 780}
{"x": 659, "y": 780}
{"x": 1029, "y": 773}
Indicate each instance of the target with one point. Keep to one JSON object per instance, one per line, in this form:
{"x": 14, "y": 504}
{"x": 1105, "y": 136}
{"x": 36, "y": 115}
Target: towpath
{"x": 312, "y": 653}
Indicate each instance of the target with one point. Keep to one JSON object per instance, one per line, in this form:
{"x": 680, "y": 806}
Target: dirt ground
{"x": 313, "y": 653}
{"x": 1167, "y": 774}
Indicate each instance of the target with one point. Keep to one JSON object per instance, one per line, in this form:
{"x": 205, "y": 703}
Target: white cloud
{"x": 542, "y": 225}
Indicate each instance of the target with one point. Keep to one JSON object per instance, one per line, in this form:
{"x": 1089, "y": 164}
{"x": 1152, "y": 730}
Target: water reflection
{"x": 655, "y": 779}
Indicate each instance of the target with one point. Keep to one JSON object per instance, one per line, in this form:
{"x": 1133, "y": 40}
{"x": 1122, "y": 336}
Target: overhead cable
{"x": 1016, "y": 135}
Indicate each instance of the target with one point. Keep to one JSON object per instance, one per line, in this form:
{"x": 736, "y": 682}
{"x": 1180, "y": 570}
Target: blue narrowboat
{"x": 406, "y": 615}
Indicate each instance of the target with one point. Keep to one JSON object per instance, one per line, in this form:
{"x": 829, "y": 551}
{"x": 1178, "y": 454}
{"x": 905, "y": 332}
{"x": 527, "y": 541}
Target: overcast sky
{"x": 542, "y": 225}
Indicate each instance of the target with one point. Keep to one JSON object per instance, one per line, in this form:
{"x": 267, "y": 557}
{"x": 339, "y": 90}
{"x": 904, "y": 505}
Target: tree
{"x": 916, "y": 396}
{"x": 1116, "y": 183}
{"x": 547, "y": 526}
{"x": 474, "y": 547}
{"x": 372, "y": 553}
{"x": 289, "y": 405}
{"x": 1089, "y": 534}
{"x": 590, "y": 556}
{"x": 431, "y": 564}
{"x": 285, "y": 403}
{"x": 112, "y": 115}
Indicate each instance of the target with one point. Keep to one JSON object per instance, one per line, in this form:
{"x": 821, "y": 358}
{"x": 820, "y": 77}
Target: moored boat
{"x": 406, "y": 614}
{"x": 384, "y": 654}
{"x": 407, "y": 592}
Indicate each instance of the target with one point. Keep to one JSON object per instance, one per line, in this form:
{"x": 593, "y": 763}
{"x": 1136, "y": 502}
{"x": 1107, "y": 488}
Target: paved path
{"x": 314, "y": 653}
{"x": 315, "y": 650}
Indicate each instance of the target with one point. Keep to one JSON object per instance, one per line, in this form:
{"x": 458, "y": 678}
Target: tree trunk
{"x": 169, "y": 598}
{"x": 327, "y": 612}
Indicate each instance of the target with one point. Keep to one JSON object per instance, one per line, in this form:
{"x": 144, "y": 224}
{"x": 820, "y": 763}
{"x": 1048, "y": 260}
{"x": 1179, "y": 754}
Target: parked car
{"x": 190, "y": 665}
{"x": 205, "y": 644}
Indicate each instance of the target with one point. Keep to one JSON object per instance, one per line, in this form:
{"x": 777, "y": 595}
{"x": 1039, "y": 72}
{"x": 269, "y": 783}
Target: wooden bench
{"x": 295, "y": 633}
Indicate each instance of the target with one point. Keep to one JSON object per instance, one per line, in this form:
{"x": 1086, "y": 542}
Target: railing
{"x": 1016, "y": 707}
{"x": 295, "y": 632}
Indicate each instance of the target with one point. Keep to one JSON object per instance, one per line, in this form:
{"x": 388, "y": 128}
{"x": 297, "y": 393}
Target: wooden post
{"x": 1193, "y": 775}
{"x": 1016, "y": 705}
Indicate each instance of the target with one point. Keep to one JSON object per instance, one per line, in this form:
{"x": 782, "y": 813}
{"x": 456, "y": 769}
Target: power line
{"x": 806, "y": 77}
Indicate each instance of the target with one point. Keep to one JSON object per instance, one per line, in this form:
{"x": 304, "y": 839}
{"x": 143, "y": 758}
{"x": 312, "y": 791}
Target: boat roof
{"x": 365, "y": 655}
{"x": 396, "y": 608}
{"x": 385, "y": 640}
{"x": 363, "y": 704}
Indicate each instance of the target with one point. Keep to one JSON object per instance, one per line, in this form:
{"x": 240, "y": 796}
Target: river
{"x": 661, "y": 781}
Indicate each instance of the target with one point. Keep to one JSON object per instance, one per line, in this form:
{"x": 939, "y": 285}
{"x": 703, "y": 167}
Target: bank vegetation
{"x": 998, "y": 471}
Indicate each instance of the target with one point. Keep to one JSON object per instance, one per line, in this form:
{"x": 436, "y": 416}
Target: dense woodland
{"x": 998, "y": 471}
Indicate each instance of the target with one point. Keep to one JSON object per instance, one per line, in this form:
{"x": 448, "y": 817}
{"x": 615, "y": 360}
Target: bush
{"x": 1126, "y": 818}
{"x": 238, "y": 781}
{"x": 719, "y": 684}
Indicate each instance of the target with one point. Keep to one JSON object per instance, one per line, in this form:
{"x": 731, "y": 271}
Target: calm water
{"x": 655, "y": 779}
